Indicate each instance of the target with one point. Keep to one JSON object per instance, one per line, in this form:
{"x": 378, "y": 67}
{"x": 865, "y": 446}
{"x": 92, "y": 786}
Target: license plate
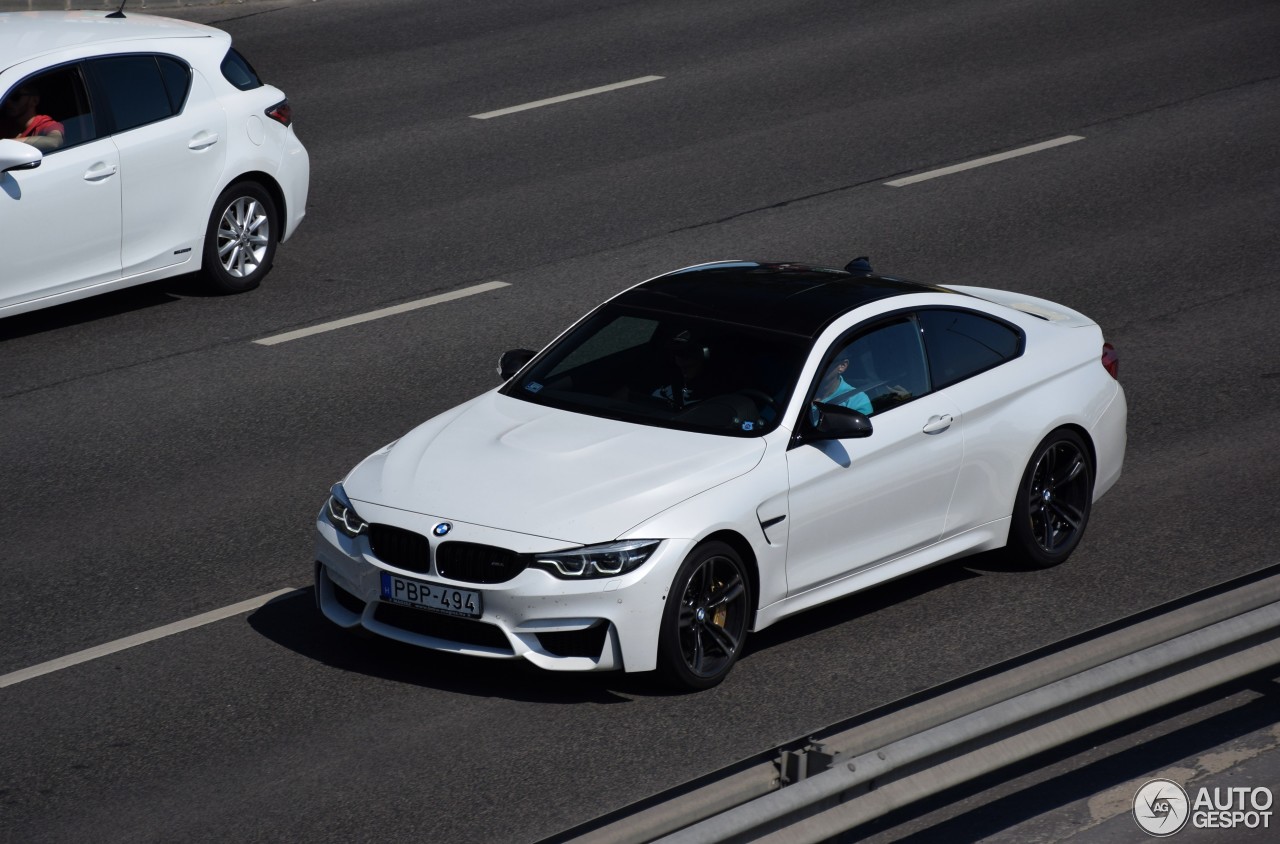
{"x": 431, "y": 596}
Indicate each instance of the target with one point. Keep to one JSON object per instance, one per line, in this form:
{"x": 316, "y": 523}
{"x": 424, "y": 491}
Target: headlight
{"x": 342, "y": 515}
{"x": 609, "y": 560}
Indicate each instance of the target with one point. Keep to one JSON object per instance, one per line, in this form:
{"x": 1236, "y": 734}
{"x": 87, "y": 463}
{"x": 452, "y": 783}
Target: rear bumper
{"x": 294, "y": 176}
{"x": 1109, "y": 442}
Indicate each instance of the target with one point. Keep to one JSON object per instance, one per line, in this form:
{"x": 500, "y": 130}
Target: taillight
{"x": 281, "y": 112}
{"x": 1111, "y": 360}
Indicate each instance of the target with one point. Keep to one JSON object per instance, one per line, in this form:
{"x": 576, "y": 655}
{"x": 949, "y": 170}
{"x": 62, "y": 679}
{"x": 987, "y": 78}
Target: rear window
{"x": 961, "y": 344}
{"x": 239, "y": 72}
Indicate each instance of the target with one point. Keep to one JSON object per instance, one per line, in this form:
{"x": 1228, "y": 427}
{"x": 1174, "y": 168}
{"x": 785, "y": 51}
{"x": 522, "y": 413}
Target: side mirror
{"x": 835, "y": 422}
{"x": 15, "y": 155}
{"x": 513, "y": 361}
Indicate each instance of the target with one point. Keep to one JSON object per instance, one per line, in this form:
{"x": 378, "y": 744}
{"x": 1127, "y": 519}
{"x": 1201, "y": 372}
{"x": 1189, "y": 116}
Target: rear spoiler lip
{"x": 1032, "y": 305}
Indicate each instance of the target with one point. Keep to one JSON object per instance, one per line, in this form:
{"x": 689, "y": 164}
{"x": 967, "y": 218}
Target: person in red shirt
{"x": 19, "y": 121}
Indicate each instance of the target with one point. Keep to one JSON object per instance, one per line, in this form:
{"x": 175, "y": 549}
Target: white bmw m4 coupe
{"x": 716, "y": 449}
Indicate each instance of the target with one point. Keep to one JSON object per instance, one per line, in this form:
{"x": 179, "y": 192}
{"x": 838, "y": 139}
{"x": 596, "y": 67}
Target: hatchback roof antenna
{"x": 118, "y": 13}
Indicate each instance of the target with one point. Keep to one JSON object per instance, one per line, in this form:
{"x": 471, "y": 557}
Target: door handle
{"x": 100, "y": 171}
{"x": 204, "y": 140}
{"x": 937, "y": 424}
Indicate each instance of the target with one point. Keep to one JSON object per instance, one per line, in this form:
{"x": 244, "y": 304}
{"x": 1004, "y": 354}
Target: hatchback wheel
{"x": 1054, "y": 499}
{"x": 704, "y": 623}
{"x": 241, "y": 239}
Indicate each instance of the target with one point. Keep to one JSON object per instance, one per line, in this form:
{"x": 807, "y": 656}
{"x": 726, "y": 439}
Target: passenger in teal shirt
{"x": 835, "y": 390}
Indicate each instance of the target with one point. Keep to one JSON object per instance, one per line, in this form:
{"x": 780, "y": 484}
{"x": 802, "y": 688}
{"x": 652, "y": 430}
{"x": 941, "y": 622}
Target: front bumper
{"x": 562, "y": 625}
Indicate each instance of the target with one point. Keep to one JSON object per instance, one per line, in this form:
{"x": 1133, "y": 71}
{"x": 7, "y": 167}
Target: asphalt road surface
{"x": 158, "y": 464}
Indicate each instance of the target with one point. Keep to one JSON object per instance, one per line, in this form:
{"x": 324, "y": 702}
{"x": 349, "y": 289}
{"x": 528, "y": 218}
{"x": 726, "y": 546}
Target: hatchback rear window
{"x": 239, "y": 72}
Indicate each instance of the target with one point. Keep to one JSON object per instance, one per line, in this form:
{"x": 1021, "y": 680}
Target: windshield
{"x": 669, "y": 370}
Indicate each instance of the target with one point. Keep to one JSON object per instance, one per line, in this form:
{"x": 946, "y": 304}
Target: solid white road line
{"x": 139, "y": 639}
{"x": 982, "y": 162}
{"x": 553, "y": 100}
{"x": 385, "y": 312}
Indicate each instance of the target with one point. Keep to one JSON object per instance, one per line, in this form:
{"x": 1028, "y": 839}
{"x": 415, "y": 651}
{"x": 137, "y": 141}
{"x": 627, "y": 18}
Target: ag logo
{"x": 1161, "y": 808}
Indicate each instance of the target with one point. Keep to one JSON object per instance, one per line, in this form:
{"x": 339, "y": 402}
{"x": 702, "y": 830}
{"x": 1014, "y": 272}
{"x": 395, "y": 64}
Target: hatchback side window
{"x": 49, "y": 110}
{"x": 962, "y": 344}
{"x": 134, "y": 90}
{"x": 237, "y": 70}
{"x": 876, "y": 371}
{"x": 177, "y": 81}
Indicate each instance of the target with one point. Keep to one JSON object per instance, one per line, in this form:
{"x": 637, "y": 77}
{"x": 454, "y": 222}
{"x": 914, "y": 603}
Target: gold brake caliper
{"x": 722, "y": 611}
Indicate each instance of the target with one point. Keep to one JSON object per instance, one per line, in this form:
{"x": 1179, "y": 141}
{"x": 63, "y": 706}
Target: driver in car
{"x": 691, "y": 358}
{"x": 20, "y": 121}
{"x": 833, "y": 389}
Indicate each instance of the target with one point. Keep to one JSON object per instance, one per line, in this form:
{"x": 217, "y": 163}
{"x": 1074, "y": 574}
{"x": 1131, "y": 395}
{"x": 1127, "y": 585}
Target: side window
{"x": 878, "y": 370}
{"x": 133, "y": 89}
{"x": 962, "y": 344}
{"x": 237, "y": 70}
{"x": 49, "y": 110}
{"x": 177, "y": 81}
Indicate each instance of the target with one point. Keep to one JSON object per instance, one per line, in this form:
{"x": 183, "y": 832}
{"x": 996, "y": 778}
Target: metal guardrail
{"x": 817, "y": 789}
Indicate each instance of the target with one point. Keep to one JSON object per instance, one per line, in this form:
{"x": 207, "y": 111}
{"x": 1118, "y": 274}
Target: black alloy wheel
{"x": 704, "y": 624}
{"x": 1054, "y": 500}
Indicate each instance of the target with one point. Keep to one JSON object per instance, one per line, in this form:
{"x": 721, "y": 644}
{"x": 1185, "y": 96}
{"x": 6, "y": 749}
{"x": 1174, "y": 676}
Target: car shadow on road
{"x": 293, "y": 622}
{"x": 871, "y": 600}
{"x": 103, "y": 305}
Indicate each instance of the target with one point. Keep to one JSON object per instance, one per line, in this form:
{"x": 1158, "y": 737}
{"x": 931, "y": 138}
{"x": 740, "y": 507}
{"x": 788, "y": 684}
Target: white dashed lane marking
{"x": 564, "y": 97}
{"x": 139, "y": 639}
{"x": 982, "y": 162}
{"x": 276, "y": 339}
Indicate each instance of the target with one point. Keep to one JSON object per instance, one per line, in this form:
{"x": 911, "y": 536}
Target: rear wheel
{"x": 704, "y": 624}
{"x": 1054, "y": 499}
{"x": 240, "y": 241}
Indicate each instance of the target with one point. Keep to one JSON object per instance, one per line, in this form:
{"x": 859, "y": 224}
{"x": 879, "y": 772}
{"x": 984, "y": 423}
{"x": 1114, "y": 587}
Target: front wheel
{"x": 1054, "y": 499}
{"x": 704, "y": 623}
{"x": 240, "y": 241}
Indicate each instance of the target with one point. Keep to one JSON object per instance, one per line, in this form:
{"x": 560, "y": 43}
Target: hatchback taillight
{"x": 281, "y": 112}
{"x": 1111, "y": 360}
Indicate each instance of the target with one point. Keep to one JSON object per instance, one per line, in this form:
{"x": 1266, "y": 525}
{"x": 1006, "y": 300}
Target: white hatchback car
{"x": 716, "y": 449}
{"x": 136, "y": 148}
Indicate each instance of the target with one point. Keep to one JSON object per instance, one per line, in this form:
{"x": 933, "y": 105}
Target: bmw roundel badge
{"x": 442, "y": 528}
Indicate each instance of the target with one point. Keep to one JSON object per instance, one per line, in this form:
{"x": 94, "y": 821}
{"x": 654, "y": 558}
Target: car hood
{"x": 513, "y": 465}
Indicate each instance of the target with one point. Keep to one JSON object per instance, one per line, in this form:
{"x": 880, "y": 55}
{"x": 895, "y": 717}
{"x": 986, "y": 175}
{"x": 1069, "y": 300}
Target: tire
{"x": 704, "y": 622}
{"x": 1054, "y": 499}
{"x": 240, "y": 240}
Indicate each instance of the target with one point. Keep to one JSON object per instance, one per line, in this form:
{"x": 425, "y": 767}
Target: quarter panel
{"x": 1058, "y": 381}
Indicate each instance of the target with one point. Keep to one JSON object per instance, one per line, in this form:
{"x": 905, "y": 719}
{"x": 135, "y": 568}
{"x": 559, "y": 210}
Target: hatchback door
{"x": 172, "y": 138}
